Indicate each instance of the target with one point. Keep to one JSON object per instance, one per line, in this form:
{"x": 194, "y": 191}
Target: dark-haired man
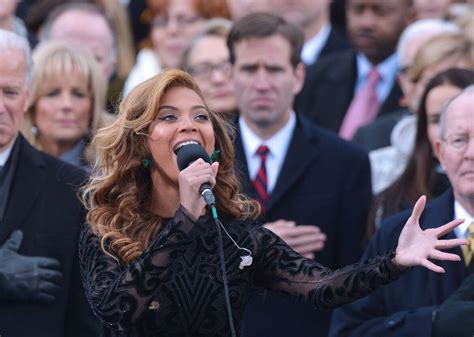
{"x": 351, "y": 89}
{"x": 314, "y": 188}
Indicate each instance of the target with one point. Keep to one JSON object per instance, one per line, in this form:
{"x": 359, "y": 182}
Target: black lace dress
{"x": 175, "y": 287}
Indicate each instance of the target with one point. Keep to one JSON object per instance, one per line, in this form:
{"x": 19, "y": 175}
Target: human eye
{"x": 79, "y": 93}
{"x": 166, "y": 114}
{"x": 12, "y": 92}
{"x": 248, "y": 69}
{"x": 274, "y": 69}
{"x": 202, "y": 116}
{"x": 433, "y": 119}
{"x": 186, "y": 19}
{"x": 458, "y": 141}
{"x": 52, "y": 93}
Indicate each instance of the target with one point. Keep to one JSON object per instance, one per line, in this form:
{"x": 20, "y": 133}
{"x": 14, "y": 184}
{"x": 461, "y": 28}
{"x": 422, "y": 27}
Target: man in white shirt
{"x": 314, "y": 188}
{"x": 420, "y": 304}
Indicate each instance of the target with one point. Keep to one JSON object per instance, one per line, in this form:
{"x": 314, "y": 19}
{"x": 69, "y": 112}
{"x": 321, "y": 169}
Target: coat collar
{"x": 302, "y": 151}
{"x": 28, "y": 180}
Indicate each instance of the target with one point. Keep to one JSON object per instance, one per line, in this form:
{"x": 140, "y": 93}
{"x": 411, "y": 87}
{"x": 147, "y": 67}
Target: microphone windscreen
{"x": 190, "y": 153}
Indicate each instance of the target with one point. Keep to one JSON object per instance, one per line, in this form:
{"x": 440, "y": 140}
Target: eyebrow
{"x": 171, "y": 107}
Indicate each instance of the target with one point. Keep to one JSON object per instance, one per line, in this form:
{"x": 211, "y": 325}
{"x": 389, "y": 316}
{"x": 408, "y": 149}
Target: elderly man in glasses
{"x": 421, "y": 304}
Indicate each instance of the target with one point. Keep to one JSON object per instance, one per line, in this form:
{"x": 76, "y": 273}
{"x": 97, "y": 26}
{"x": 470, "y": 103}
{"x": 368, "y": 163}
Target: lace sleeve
{"x": 119, "y": 295}
{"x": 283, "y": 270}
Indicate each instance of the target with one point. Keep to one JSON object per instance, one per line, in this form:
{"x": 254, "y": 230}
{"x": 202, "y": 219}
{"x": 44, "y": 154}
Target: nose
{"x": 469, "y": 152}
{"x": 262, "y": 80}
{"x": 367, "y": 19}
{"x": 172, "y": 26}
{"x": 66, "y": 101}
{"x": 187, "y": 124}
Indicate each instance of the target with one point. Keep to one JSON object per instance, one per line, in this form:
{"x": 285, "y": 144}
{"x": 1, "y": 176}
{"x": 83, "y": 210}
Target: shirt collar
{"x": 313, "y": 47}
{"x": 277, "y": 144}
{"x": 461, "y": 213}
{"x": 6, "y": 154}
{"x": 387, "y": 68}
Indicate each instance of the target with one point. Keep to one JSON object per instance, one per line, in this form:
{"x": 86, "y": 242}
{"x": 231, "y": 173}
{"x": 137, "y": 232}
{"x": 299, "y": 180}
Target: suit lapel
{"x": 28, "y": 180}
{"x": 301, "y": 153}
{"x": 241, "y": 166}
{"x": 331, "y": 111}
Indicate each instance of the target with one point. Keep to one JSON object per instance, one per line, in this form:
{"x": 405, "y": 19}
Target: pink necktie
{"x": 364, "y": 107}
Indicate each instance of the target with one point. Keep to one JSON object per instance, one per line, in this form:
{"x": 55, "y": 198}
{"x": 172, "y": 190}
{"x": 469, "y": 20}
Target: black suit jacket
{"x": 324, "y": 181}
{"x": 43, "y": 204}
{"x": 329, "y": 88}
{"x": 405, "y": 307}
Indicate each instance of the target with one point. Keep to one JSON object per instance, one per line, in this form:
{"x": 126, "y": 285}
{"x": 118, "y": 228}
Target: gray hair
{"x": 88, "y": 8}
{"x": 214, "y": 27}
{"x": 12, "y": 41}
{"x": 447, "y": 105}
{"x": 422, "y": 27}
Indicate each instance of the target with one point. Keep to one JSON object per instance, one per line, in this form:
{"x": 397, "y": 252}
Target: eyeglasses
{"x": 457, "y": 142}
{"x": 206, "y": 69}
{"x": 180, "y": 20}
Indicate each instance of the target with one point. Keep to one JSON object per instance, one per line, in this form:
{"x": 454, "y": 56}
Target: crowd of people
{"x": 338, "y": 140}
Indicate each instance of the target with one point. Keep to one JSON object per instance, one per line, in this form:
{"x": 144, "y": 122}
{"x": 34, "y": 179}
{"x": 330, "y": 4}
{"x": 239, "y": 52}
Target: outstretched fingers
{"x": 443, "y": 256}
{"x": 417, "y": 210}
{"x": 450, "y": 243}
{"x": 431, "y": 266}
{"x": 445, "y": 229}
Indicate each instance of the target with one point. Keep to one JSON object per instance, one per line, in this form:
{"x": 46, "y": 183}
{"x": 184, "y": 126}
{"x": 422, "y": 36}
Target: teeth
{"x": 187, "y": 142}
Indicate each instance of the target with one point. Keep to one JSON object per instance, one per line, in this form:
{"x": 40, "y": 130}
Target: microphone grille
{"x": 190, "y": 153}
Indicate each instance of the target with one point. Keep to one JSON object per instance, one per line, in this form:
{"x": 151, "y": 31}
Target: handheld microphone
{"x": 188, "y": 154}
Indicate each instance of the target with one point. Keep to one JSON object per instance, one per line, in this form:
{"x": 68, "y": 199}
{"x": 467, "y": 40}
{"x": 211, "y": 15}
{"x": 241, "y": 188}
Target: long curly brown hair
{"x": 118, "y": 194}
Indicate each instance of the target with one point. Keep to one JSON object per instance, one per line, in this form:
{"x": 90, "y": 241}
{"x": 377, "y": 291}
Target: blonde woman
{"x": 156, "y": 262}
{"x": 66, "y": 103}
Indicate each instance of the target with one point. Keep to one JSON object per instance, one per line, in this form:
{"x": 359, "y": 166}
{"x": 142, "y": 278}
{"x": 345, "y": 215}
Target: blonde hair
{"x": 118, "y": 195}
{"x": 54, "y": 60}
{"x": 437, "y": 49}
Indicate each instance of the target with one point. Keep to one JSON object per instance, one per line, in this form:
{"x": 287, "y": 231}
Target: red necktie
{"x": 260, "y": 181}
{"x": 364, "y": 107}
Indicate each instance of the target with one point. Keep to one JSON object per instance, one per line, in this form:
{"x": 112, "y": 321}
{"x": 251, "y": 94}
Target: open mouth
{"x": 183, "y": 143}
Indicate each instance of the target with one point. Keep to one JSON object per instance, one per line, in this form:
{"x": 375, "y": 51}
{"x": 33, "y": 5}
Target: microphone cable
{"x": 223, "y": 270}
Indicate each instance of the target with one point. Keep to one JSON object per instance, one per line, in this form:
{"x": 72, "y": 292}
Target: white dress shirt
{"x": 460, "y": 212}
{"x": 5, "y": 155}
{"x": 387, "y": 70}
{"x": 278, "y": 145}
{"x": 313, "y": 47}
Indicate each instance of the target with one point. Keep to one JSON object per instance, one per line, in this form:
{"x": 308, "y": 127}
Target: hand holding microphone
{"x": 197, "y": 175}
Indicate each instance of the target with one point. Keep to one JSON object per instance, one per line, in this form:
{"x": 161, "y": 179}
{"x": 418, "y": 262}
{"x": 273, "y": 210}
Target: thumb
{"x": 14, "y": 241}
{"x": 215, "y": 168}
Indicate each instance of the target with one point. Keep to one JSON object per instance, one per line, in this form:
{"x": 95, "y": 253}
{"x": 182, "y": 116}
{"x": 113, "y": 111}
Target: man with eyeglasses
{"x": 420, "y": 304}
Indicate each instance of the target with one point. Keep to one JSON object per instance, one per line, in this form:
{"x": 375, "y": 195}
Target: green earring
{"x": 146, "y": 162}
{"x": 214, "y": 155}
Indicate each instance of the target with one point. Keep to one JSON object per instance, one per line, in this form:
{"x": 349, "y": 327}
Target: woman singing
{"x": 151, "y": 257}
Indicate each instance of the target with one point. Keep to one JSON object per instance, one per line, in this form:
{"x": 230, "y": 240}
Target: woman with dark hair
{"x": 156, "y": 262}
{"x": 422, "y": 175}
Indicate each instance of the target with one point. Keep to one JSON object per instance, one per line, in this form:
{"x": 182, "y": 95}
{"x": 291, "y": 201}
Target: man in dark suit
{"x": 314, "y": 187}
{"x": 333, "y": 84}
{"x": 40, "y": 218}
{"x": 313, "y": 18}
{"x": 420, "y": 303}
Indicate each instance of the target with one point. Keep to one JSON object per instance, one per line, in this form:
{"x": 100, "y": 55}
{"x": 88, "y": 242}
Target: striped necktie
{"x": 468, "y": 250}
{"x": 260, "y": 181}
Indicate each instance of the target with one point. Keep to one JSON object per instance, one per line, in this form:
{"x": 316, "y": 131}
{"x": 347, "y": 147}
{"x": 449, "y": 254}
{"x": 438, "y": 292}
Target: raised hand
{"x": 190, "y": 180}
{"x": 27, "y": 278}
{"x": 416, "y": 246}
